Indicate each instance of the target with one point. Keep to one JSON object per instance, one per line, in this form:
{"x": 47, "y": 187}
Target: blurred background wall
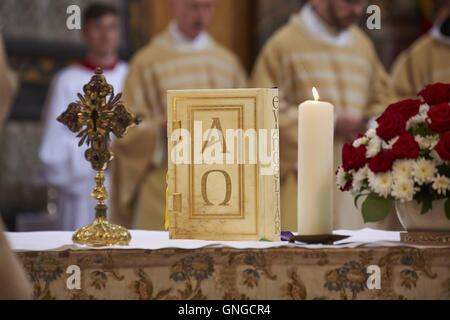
{"x": 39, "y": 44}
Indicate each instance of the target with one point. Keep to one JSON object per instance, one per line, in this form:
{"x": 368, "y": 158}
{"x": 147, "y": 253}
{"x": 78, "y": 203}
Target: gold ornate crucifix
{"x": 94, "y": 117}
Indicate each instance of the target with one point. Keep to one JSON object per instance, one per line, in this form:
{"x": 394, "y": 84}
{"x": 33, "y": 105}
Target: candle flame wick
{"x": 315, "y": 94}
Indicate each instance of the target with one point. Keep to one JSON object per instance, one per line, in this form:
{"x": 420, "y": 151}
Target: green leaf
{"x": 420, "y": 129}
{"x": 357, "y": 198}
{"x": 424, "y": 153}
{"x": 447, "y": 208}
{"x": 444, "y": 170}
{"x": 376, "y": 208}
{"x": 427, "y": 204}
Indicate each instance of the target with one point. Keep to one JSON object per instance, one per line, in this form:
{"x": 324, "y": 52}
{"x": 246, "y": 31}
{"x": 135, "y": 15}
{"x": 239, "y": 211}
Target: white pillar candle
{"x": 315, "y": 167}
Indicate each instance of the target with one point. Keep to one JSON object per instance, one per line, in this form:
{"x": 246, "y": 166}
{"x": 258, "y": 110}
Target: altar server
{"x": 64, "y": 165}
{"x": 427, "y": 60}
{"x": 184, "y": 56}
{"x": 321, "y": 47}
{"x": 8, "y": 86}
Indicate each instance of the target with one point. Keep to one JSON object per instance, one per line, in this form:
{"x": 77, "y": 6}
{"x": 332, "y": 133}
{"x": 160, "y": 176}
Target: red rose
{"x": 443, "y": 147}
{"x": 390, "y": 125}
{"x": 406, "y": 108}
{"x": 437, "y": 93}
{"x": 405, "y": 147}
{"x": 353, "y": 158}
{"x": 440, "y": 118}
{"x": 382, "y": 162}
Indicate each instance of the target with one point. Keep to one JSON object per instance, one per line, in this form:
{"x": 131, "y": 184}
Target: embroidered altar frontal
{"x": 228, "y": 273}
{"x": 371, "y": 264}
{"x": 223, "y": 164}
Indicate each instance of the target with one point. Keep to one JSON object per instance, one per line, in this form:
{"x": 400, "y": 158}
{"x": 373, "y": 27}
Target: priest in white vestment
{"x": 184, "y": 56}
{"x": 64, "y": 166}
{"x": 322, "y": 47}
{"x": 427, "y": 60}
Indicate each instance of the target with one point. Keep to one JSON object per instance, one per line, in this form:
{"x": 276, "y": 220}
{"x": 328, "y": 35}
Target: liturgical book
{"x": 223, "y": 164}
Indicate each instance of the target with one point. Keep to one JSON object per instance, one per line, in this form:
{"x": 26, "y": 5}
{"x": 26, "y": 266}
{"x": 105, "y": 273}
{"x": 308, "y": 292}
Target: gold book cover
{"x": 223, "y": 164}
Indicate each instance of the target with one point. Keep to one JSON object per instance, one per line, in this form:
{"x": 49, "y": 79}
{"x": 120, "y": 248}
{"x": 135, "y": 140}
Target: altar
{"x": 154, "y": 267}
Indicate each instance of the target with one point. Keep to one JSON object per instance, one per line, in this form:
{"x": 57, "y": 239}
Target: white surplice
{"x": 63, "y": 165}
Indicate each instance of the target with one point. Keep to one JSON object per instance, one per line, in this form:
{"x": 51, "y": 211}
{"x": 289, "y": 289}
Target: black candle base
{"x": 318, "y": 238}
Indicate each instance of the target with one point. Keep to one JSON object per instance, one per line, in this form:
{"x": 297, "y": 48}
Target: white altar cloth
{"x": 154, "y": 240}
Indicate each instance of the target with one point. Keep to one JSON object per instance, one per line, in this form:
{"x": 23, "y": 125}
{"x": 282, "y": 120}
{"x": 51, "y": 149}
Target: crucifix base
{"x": 101, "y": 232}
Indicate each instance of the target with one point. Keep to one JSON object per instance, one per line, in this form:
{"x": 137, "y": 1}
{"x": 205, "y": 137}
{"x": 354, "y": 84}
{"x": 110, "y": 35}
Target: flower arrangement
{"x": 405, "y": 158}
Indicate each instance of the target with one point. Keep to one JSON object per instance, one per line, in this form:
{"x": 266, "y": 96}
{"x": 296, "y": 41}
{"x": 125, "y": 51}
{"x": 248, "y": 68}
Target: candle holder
{"x": 318, "y": 239}
{"x": 94, "y": 118}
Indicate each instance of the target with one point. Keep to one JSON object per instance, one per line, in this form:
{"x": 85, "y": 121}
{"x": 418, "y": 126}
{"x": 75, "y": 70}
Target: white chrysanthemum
{"x": 373, "y": 147}
{"x": 358, "y": 178}
{"x": 436, "y": 157}
{"x": 424, "y": 108}
{"x": 401, "y": 169}
{"x": 428, "y": 142}
{"x": 360, "y": 142}
{"x": 418, "y": 118}
{"x": 388, "y": 145}
{"x": 381, "y": 183}
{"x": 356, "y": 143}
{"x": 424, "y": 171}
{"x": 340, "y": 178}
{"x": 441, "y": 184}
{"x": 403, "y": 190}
{"x": 371, "y": 133}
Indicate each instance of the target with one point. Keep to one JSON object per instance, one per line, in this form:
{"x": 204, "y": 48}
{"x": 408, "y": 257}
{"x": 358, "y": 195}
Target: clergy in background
{"x": 64, "y": 165}
{"x": 322, "y": 47}
{"x": 427, "y": 61}
{"x": 184, "y": 56}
